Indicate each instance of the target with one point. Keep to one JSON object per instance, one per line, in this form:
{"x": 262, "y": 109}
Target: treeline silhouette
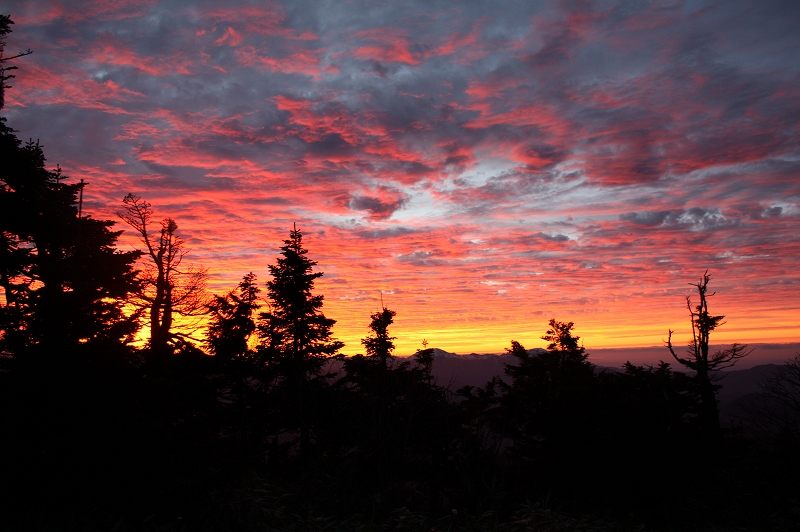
{"x": 262, "y": 425}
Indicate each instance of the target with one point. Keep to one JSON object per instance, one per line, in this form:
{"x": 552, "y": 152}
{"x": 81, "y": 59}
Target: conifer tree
{"x": 5, "y": 29}
{"x": 296, "y": 337}
{"x": 62, "y": 280}
{"x": 232, "y": 321}
{"x": 379, "y": 345}
{"x": 565, "y": 352}
{"x": 545, "y": 399}
{"x": 294, "y": 332}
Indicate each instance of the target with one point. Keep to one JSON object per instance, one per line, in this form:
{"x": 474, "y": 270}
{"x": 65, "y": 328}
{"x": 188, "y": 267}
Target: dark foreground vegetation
{"x": 252, "y": 429}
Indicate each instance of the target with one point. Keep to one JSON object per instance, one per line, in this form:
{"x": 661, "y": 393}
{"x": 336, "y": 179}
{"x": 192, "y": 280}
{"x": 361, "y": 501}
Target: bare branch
{"x": 169, "y": 290}
{"x": 680, "y": 360}
{"x": 728, "y": 357}
{"x": 19, "y": 54}
{"x": 137, "y": 214}
{"x": 699, "y": 360}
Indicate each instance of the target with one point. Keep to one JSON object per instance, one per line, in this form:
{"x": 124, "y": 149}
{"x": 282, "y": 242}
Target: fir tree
{"x": 232, "y": 321}
{"x": 296, "y": 338}
{"x": 548, "y": 397}
{"x": 63, "y": 279}
{"x": 380, "y": 345}
{"x": 294, "y": 331}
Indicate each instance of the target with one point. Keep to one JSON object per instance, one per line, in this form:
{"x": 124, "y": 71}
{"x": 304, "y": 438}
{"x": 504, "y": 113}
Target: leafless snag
{"x": 699, "y": 359}
{"x": 168, "y": 288}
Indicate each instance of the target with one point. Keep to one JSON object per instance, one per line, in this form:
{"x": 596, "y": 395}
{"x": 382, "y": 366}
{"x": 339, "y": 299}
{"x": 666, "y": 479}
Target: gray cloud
{"x": 377, "y": 207}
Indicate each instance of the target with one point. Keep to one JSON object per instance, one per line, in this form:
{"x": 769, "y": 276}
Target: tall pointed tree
{"x": 296, "y": 338}
{"x": 62, "y": 280}
{"x": 379, "y": 344}
{"x": 232, "y": 321}
{"x": 294, "y": 332}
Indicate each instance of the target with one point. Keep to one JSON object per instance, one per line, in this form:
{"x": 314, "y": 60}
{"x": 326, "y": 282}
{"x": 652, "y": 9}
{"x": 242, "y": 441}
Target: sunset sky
{"x": 486, "y": 166}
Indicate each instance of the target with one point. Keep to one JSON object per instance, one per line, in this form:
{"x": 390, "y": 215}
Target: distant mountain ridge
{"x": 455, "y": 371}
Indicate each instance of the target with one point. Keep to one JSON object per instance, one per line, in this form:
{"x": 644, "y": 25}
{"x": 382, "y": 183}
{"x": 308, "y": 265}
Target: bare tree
{"x": 699, "y": 360}
{"x": 169, "y": 289}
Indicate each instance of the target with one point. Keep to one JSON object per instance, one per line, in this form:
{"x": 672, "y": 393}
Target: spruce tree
{"x": 295, "y": 332}
{"x": 295, "y": 336}
{"x": 379, "y": 344}
{"x": 550, "y": 393}
{"x": 63, "y": 279}
{"x": 232, "y": 321}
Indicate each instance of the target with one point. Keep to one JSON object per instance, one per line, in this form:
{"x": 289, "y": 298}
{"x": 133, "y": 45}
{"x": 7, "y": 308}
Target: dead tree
{"x": 698, "y": 358}
{"x": 169, "y": 289}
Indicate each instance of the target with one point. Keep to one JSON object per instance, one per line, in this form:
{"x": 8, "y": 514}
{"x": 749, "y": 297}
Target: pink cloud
{"x": 34, "y": 14}
{"x": 266, "y": 20}
{"x": 70, "y": 87}
{"x": 110, "y": 50}
{"x": 571, "y": 165}
{"x": 390, "y": 45}
{"x": 230, "y": 38}
{"x": 299, "y": 61}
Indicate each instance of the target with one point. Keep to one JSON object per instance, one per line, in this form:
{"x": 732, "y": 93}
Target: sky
{"x": 482, "y": 167}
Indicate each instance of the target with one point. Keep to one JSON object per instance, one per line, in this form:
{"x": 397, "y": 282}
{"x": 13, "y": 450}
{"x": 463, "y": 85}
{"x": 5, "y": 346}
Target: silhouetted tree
{"x": 570, "y": 355}
{"x": 232, "y": 322}
{"x": 294, "y": 328}
{"x": 63, "y": 280}
{"x": 398, "y": 427}
{"x": 295, "y": 335}
{"x": 424, "y": 359}
{"x": 379, "y": 345}
{"x": 548, "y": 401}
{"x": 169, "y": 289}
{"x": 564, "y": 359}
{"x": 699, "y": 360}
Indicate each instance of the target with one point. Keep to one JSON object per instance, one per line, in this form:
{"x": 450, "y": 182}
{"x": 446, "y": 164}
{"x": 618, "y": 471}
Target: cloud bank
{"x": 486, "y": 166}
